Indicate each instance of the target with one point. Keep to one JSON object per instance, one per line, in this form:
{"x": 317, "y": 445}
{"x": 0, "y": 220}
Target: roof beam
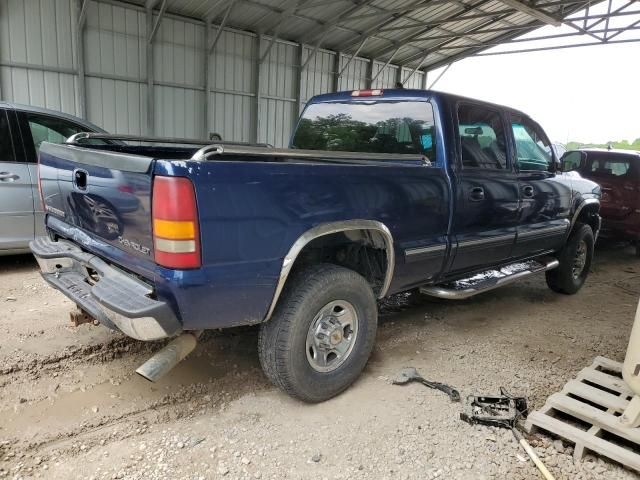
{"x": 283, "y": 17}
{"x": 450, "y": 18}
{"x": 522, "y": 7}
{"x": 156, "y": 25}
{"x": 341, "y": 16}
{"x": 215, "y": 41}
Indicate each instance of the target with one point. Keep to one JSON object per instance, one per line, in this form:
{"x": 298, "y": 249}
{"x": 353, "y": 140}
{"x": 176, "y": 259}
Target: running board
{"x": 485, "y": 281}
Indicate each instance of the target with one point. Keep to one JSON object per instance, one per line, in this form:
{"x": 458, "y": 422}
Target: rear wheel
{"x": 575, "y": 262}
{"x": 321, "y": 333}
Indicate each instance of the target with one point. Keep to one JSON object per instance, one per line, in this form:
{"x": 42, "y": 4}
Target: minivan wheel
{"x": 321, "y": 334}
{"x": 575, "y": 262}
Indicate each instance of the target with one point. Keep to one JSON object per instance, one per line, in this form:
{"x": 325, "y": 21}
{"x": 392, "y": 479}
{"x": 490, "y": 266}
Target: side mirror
{"x": 572, "y": 161}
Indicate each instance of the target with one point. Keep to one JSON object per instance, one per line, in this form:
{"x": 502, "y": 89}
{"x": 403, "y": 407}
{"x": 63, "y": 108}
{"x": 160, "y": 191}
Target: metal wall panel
{"x": 317, "y": 77}
{"x": 46, "y": 47}
{"x": 179, "y": 72}
{"x": 415, "y": 81}
{"x": 386, "y": 79}
{"x": 38, "y": 66}
{"x": 278, "y": 104}
{"x": 355, "y": 75}
{"x": 117, "y": 106}
{"x": 232, "y": 69}
{"x": 115, "y": 41}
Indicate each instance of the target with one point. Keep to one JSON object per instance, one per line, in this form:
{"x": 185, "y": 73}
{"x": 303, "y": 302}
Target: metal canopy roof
{"x": 422, "y": 34}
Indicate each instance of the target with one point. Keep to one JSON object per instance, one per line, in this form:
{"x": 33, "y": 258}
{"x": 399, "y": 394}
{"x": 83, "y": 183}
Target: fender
{"x": 576, "y": 214}
{"x": 328, "y": 229}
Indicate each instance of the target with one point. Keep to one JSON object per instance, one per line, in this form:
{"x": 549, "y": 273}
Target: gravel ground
{"x": 72, "y": 407}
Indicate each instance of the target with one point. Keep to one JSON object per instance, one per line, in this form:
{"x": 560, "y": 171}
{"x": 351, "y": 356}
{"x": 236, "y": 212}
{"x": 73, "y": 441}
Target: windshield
{"x": 371, "y": 127}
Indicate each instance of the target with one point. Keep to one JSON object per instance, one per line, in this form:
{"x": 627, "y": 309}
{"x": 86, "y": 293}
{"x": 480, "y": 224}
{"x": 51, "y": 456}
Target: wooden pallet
{"x": 566, "y": 413}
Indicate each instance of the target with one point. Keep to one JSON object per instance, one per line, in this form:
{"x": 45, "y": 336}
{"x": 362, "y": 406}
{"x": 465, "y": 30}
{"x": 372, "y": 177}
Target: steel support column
{"x": 207, "y": 78}
{"x": 398, "y": 77}
{"x": 335, "y": 75}
{"x": 80, "y": 21}
{"x": 257, "y": 84}
{"x": 298, "y": 86}
{"x": 149, "y": 53}
{"x": 369, "y": 79}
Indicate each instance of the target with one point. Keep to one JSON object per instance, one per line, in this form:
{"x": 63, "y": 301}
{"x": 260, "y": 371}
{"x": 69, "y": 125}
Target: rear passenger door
{"x": 486, "y": 204}
{"x": 16, "y": 194}
{"x": 545, "y": 199}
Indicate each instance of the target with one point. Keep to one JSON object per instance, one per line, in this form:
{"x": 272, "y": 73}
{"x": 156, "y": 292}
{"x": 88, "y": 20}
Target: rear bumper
{"x": 116, "y": 299}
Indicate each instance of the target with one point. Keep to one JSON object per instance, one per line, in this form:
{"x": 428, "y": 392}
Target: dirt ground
{"x": 72, "y": 407}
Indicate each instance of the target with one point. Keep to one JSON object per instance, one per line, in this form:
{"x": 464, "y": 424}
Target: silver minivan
{"x": 22, "y": 130}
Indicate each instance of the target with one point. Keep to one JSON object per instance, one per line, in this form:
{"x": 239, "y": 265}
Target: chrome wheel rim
{"x": 332, "y": 336}
{"x": 580, "y": 259}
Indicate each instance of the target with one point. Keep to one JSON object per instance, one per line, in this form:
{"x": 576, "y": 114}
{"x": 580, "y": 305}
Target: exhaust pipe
{"x": 167, "y": 358}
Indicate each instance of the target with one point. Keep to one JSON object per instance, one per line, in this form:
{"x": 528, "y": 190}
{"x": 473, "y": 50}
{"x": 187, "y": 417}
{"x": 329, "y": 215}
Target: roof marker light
{"x": 367, "y": 93}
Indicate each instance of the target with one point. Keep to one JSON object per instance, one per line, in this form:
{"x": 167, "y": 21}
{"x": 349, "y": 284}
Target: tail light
{"x": 176, "y": 238}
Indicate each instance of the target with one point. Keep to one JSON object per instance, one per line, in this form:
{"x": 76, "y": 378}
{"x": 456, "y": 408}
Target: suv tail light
{"x": 176, "y": 236}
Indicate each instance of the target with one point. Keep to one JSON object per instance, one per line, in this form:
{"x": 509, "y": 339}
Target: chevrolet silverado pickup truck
{"x": 379, "y": 192}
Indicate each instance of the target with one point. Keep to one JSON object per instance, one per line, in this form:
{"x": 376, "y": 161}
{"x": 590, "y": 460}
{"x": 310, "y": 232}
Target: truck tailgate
{"x": 103, "y": 193}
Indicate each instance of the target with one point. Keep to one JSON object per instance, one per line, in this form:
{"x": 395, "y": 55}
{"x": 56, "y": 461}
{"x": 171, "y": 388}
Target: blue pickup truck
{"x": 379, "y": 192}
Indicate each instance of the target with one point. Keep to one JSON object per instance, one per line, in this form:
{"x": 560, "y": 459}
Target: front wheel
{"x": 575, "y": 262}
{"x": 321, "y": 333}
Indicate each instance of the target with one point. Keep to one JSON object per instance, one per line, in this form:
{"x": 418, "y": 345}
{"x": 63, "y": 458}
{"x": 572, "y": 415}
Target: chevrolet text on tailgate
{"x": 380, "y": 192}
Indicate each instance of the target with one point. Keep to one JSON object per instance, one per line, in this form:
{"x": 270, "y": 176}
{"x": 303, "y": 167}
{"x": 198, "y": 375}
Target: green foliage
{"x": 620, "y": 144}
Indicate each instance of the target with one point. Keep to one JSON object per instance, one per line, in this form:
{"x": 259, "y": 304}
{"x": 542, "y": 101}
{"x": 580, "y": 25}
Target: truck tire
{"x": 321, "y": 333}
{"x": 575, "y": 262}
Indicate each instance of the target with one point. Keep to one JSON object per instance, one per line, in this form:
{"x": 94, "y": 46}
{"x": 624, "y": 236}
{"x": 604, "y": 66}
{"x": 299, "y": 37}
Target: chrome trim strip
{"x": 328, "y": 229}
{"x": 222, "y": 149}
{"x": 587, "y": 201}
{"x": 483, "y": 241}
{"x": 544, "y": 231}
{"x": 422, "y": 250}
{"x": 453, "y": 294}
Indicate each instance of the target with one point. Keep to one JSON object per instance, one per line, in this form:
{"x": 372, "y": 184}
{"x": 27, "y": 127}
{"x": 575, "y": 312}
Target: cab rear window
{"x": 368, "y": 127}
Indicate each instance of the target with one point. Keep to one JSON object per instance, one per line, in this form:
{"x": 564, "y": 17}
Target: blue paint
{"x": 251, "y": 212}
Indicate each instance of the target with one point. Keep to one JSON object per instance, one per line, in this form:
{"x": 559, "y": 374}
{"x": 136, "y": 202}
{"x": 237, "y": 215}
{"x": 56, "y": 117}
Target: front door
{"x": 545, "y": 198}
{"x": 486, "y": 205}
{"x": 16, "y": 194}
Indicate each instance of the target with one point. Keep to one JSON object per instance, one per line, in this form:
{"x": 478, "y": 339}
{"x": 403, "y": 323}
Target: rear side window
{"x": 368, "y": 127}
{"x": 7, "y": 153}
{"x": 610, "y": 165}
{"x": 482, "y": 138}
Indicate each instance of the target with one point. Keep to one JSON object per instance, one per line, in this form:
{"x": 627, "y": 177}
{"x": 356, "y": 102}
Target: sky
{"x": 586, "y": 94}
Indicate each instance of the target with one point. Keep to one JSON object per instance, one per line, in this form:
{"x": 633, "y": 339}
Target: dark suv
{"x": 618, "y": 173}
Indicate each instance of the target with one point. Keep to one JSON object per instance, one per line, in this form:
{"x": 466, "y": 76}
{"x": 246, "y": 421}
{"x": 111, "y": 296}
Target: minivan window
{"x": 368, "y": 127}
{"x": 7, "y": 153}
{"x": 46, "y": 128}
{"x": 482, "y": 138}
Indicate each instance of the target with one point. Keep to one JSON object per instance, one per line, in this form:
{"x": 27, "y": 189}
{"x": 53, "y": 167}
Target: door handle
{"x": 476, "y": 194}
{"x": 527, "y": 191}
{"x": 8, "y": 176}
